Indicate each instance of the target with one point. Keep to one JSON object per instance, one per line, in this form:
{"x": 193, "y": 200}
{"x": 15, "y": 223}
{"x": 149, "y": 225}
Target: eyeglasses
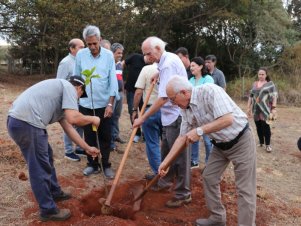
{"x": 172, "y": 99}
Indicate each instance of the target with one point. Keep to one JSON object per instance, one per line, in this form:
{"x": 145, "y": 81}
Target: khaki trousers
{"x": 243, "y": 157}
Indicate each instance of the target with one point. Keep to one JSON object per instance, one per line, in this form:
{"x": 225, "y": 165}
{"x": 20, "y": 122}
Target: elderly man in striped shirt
{"x": 209, "y": 110}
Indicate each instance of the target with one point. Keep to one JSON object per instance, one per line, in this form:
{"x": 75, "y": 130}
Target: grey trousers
{"x": 243, "y": 157}
{"x": 180, "y": 168}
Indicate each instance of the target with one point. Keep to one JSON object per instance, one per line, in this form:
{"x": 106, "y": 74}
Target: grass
{"x": 288, "y": 86}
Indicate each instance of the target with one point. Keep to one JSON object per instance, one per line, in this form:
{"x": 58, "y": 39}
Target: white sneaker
{"x": 136, "y": 139}
{"x": 268, "y": 148}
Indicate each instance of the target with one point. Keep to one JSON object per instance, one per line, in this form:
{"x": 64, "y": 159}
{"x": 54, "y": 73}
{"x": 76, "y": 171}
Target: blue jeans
{"x": 68, "y": 142}
{"x": 195, "y": 156}
{"x": 38, "y": 154}
{"x": 115, "y": 119}
{"x": 152, "y": 129}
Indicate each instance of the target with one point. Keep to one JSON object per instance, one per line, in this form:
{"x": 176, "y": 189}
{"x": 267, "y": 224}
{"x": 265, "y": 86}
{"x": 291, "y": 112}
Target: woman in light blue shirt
{"x": 200, "y": 76}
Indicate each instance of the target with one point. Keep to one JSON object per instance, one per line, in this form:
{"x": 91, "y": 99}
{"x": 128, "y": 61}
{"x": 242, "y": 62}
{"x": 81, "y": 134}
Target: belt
{"x": 227, "y": 145}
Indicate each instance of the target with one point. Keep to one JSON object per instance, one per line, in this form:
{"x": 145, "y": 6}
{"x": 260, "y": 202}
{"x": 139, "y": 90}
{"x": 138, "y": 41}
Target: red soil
{"x": 86, "y": 210}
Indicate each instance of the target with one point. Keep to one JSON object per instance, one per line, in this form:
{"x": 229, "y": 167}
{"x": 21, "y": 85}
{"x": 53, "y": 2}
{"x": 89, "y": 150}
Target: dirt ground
{"x": 278, "y": 183}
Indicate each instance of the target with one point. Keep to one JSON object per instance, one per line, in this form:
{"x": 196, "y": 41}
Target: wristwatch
{"x": 199, "y": 131}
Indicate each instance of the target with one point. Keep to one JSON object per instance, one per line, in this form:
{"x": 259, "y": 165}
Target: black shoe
{"x": 118, "y": 139}
{"x": 80, "y": 152}
{"x": 61, "y": 215}
{"x": 62, "y": 196}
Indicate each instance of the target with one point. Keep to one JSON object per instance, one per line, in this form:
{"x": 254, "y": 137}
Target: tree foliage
{"x": 243, "y": 34}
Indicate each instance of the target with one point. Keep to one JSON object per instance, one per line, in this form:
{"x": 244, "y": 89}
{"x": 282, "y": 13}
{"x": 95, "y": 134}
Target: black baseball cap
{"x": 75, "y": 79}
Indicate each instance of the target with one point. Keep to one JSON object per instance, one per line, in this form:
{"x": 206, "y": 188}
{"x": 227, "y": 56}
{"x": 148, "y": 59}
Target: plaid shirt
{"x": 209, "y": 102}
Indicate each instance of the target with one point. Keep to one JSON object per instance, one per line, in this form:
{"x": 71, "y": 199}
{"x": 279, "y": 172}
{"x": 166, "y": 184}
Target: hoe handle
{"x": 173, "y": 154}
{"x": 126, "y": 152}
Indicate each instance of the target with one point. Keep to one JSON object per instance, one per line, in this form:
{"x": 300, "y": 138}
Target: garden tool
{"x": 106, "y": 203}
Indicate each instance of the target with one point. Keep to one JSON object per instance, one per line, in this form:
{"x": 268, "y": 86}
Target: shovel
{"x": 106, "y": 204}
{"x": 176, "y": 149}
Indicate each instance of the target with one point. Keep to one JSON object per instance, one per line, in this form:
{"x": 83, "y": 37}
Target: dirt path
{"x": 278, "y": 184}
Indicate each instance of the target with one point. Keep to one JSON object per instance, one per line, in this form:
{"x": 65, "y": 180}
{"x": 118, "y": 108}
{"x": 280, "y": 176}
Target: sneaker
{"x": 194, "y": 165}
{"x": 136, "y": 139}
{"x": 118, "y": 139}
{"x": 61, "y": 215}
{"x": 73, "y": 157}
{"x": 174, "y": 202}
{"x": 109, "y": 173}
{"x": 90, "y": 170}
{"x": 80, "y": 153}
{"x": 208, "y": 222}
{"x": 62, "y": 196}
{"x": 268, "y": 148}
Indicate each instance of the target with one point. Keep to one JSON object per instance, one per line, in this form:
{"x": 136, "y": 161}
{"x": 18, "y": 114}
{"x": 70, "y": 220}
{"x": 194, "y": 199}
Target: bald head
{"x": 75, "y": 45}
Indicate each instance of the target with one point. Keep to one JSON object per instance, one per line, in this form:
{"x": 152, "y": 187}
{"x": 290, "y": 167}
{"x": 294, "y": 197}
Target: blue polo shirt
{"x": 105, "y": 86}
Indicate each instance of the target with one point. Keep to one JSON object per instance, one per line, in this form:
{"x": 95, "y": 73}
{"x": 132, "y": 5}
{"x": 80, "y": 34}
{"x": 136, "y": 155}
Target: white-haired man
{"x": 105, "y": 89}
{"x": 169, "y": 64}
{"x": 207, "y": 109}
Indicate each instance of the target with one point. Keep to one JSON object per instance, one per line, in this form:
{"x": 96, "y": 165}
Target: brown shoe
{"x": 62, "y": 196}
{"x": 61, "y": 215}
{"x": 174, "y": 202}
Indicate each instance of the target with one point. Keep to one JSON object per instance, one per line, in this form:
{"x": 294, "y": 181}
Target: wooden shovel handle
{"x": 168, "y": 161}
{"x": 126, "y": 152}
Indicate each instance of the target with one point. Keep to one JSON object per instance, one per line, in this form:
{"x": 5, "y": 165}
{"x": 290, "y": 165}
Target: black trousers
{"x": 103, "y": 135}
{"x": 263, "y": 132}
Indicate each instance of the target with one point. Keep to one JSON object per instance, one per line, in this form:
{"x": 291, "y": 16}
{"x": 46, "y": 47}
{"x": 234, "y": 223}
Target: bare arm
{"x": 74, "y": 117}
{"x": 75, "y": 137}
{"x": 153, "y": 109}
{"x": 109, "y": 109}
{"x": 211, "y": 127}
{"x": 137, "y": 98}
{"x": 249, "y": 107}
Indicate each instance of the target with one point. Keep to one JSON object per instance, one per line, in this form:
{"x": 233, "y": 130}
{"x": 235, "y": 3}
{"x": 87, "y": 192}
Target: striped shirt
{"x": 209, "y": 102}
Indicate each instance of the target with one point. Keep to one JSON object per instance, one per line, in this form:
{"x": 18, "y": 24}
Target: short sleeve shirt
{"x": 169, "y": 66}
{"x": 44, "y": 102}
{"x": 209, "y": 102}
{"x": 144, "y": 82}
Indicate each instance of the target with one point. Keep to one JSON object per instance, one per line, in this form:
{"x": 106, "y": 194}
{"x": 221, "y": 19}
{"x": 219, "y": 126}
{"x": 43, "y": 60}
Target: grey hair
{"x": 155, "y": 41}
{"x": 116, "y": 46}
{"x": 104, "y": 43}
{"x": 179, "y": 83}
{"x": 91, "y": 30}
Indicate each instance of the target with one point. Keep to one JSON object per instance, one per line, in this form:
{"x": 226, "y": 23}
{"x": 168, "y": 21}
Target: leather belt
{"x": 227, "y": 145}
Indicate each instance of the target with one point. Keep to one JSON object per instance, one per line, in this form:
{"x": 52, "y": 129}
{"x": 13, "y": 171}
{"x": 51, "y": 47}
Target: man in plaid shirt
{"x": 209, "y": 110}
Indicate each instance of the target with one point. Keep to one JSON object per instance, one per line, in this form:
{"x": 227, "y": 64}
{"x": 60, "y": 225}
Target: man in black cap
{"x": 49, "y": 101}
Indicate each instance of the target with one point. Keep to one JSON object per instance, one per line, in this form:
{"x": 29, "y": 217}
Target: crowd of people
{"x": 189, "y": 104}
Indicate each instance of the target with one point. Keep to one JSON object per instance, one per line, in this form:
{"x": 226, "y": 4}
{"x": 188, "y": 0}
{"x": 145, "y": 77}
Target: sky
{"x": 2, "y": 42}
